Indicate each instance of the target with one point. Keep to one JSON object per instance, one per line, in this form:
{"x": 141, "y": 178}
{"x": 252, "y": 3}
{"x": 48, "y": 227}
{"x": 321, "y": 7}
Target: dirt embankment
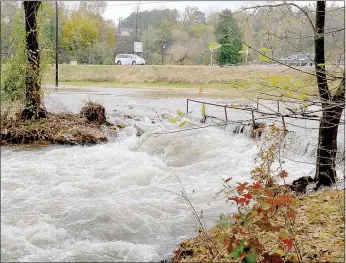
{"x": 88, "y": 127}
{"x": 319, "y": 231}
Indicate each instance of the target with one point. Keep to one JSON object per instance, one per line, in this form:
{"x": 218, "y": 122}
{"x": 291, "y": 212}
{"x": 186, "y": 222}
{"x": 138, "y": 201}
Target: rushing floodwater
{"x": 114, "y": 202}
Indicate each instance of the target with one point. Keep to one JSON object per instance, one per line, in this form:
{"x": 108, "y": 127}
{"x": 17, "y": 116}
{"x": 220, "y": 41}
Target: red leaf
{"x": 259, "y": 210}
{"x": 240, "y": 201}
{"x": 241, "y": 187}
{"x": 228, "y": 179}
{"x": 273, "y": 258}
{"x": 288, "y": 243}
{"x": 254, "y": 243}
{"x": 255, "y": 186}
{"x": 283, "y": 174}
{"x": 234, "y": 198}
{"x": 248, "y": 196}
{"x": 226, "y": 241}
{"x": 291, "y": 213}
{"x": 269, "y": 193}
{"x": 284, "y": 199}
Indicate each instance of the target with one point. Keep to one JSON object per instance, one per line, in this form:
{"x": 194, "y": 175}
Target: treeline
{"x": 173, "y": 37}
{"x": 84, "y": 35}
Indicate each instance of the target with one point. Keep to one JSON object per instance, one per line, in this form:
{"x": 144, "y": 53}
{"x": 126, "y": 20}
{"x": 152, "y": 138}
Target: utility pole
{"x": 0, "y": 47}
{"x": 163, "y": 51}
{"x": 56, "y": 45}
{"x": 211, "y": 57}
{"x": 136, "y": 37}
{"x": 137, "y": 21}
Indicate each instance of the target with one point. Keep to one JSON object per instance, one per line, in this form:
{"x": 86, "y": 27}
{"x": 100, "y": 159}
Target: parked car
{"x": 299, "y": 60}
{"x": 129, "y": 59}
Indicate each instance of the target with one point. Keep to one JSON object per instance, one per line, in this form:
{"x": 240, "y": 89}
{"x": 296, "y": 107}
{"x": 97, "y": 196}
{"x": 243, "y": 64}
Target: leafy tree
{"x": 165, "y": 38}
{"x": 150, "y": 18}
{"x": 85, "y": 33}
{"x": 96, "y": 8}
{"x": 9, "y": 17}
{"x": 228, "y": 34}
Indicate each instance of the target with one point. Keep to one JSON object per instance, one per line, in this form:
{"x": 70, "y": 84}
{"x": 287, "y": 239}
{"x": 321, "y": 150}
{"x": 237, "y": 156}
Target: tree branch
{"x": 340, "y": 92}
{"x": 283, "y": 4}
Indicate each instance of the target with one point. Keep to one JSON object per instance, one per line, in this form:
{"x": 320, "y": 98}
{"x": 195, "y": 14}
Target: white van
{"x": 129, "y": 59}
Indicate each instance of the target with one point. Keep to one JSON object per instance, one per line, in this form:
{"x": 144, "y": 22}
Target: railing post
{"x": 284, "y": 124}
{"x": 253, "y": 120}
{"x": 187, "y": 106}
{"x": 226, "y": 113}
{"x": 278, "y": 106}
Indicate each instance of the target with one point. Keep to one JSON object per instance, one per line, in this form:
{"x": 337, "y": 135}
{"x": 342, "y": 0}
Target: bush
{"x": 13, "y": 80}
{"x": 108, "y": 61}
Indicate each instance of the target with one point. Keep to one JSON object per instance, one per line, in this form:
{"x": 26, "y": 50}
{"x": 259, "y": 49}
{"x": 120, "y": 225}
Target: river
{"x": 118, "y": 201}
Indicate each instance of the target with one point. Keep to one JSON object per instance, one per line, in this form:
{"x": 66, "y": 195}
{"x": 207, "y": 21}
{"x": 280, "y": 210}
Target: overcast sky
{"x": 122, "y": 9}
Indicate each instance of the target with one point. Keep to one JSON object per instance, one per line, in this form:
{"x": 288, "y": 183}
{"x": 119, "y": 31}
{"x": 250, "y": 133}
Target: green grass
{"x": 168, "y": 85}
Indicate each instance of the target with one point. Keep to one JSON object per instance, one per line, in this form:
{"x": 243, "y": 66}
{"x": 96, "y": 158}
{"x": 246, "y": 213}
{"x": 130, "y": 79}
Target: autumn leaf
{"x": 228, "y": 179}
{"x": 248, "y": 196}
{"x": 240, "y": 201}
{"x": 256, "y": 186}
{"x": 291, "y": 213}
{"x": 286, "y": 240}
{"x": 241, "y": 187}
{"x": 273, "y": 258}
{"x": 288, "y": 243}
{"x": 254, "y": 243}
{"x": 226, "y": 241}
{"x": 283, "y": 200}
{"x": 283, "y": 174}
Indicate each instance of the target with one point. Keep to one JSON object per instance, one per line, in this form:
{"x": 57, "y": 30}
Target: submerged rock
{"x": 140, "y": 132}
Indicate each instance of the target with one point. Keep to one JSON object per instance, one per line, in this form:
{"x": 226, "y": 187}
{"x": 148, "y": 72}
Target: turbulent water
{"x": 118, "y": 201}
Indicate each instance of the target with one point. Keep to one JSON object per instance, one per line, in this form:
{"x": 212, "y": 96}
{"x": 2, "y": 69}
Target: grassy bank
{"x": 277, "y": 80}
{"x": 168, "y": 73}
{"x": 319, "y": 232}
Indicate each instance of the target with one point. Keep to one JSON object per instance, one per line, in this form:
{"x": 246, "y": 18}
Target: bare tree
{"x": 332, "y": 104}
{"x": 332, "y": 107}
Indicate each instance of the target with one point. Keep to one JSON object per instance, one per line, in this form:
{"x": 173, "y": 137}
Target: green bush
{"x": 13, "y": 80}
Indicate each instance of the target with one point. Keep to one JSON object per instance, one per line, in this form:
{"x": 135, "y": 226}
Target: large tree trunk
{"x": 33, "y": 108}
{"x": 327, "y": 146}
{"x": 332, "y": 108}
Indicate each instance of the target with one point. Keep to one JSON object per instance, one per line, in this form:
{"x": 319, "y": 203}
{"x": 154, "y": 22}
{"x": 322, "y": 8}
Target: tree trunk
{"x": 332, "y": 108}
{"x": 327, "y": 146}
{"x": 33, "y": 108}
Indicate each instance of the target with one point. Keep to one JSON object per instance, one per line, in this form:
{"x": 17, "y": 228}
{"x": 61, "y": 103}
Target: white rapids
{"x": 116, "y": 201}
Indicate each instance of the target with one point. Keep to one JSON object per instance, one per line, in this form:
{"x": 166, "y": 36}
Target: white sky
{"x": 122, "y": 9}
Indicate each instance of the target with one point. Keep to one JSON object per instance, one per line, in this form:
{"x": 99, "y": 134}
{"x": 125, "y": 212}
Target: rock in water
{"x": 140, "y": 132}
{"x": 94, "y": 113}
